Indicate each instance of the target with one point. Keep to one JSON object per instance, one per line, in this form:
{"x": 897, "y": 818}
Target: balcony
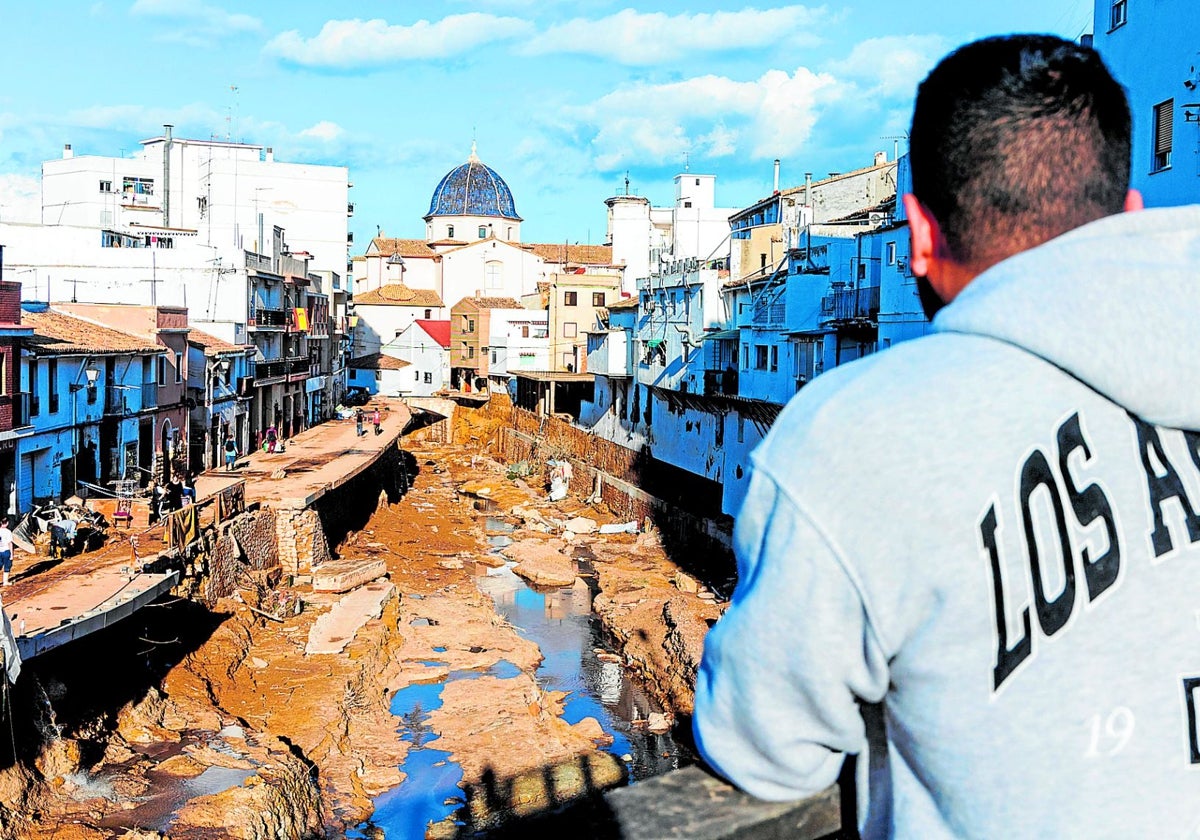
{"x": 114, "y": 402}
{"x": 268, "y": 319}
{"x": 149, "y": 395}
{"x": 851, "y": 306}
{"x": 297, "y": 368}
{"x": 267, "y": 372}
{"x": 721, "y": 383}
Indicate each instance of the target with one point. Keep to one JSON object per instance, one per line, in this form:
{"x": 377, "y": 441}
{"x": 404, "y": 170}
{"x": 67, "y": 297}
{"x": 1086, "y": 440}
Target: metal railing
{"x": 851, "y": 304}
{"x": 269, "y": 318}
{"x": 149, "y": 394}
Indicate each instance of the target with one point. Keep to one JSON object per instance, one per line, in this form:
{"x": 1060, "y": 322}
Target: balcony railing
{"x": 149, "y": 394}
{"x": 297, "y": 364}
{"x": 270, "y": 370}
{"x": 268, "y": 318}
{"x": 114, "y": 401}
{"x": 851, "y": 305}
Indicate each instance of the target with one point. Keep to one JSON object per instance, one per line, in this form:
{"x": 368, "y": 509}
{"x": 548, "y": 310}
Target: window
{"x": 137, "y": 186}
{"x": 162, "y": 370}
{"x": 482, "y": 232}
{"x": 774, "y": 357}
{"x": 697, "y": 182}
{"x": 106, "y": 219}
{"x": 760, "y": 357}
{"x": 52, "y": 383}
{"x": 471, "y": 351}
{"x": 428, "y": 378}
{"x": 741, "y": 429}
{"x": 687, "y": 204}
{"x": 147, "y": 370}
{"x": 508, "y": 235}
{"x": 450, "y": 231}
{"x": 495, "y": 355}
{"x": 1164, "y": 118}
{"x": 106, "y": 186}
{"x": 468, "y": 324}
{"x": 890, "y": 251}
{"x": 745, "y": 355}
{"x": 570, "y": 329}
{"x": 762, "y": 260}
{"x": 428, "y": 314}
{"x": 862, "y": 271}
{"x": 1117, "y": 14}
{"x": 494, "y": 274}
{"x": 597, "y": 298}
{"x": 570, "y": 298}
{"x": 34, "y": 403}
{"x": 525, "y": 331}
{"x": 178, "y": 367}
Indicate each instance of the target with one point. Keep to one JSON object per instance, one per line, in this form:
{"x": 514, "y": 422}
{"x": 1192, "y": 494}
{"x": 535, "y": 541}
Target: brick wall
{"x": 10, "y": 302}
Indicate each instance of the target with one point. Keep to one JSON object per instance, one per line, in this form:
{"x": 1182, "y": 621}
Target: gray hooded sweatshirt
{"x": 994, "y": 532}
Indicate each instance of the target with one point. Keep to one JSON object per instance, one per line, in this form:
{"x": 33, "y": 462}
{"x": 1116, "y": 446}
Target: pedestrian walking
{"x": 6, "y": 544}
{"x": 358, "y": 420}
{"x": 231, "y": 453}
{"x": 376, "y": 419}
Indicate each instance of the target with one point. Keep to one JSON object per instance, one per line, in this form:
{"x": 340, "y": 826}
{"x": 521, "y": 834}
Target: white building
{"x": 425, "y": 345}
{"x": 647, "y": 239}
{"x": 519, "y": 341}
{"x": 226, "y": 196}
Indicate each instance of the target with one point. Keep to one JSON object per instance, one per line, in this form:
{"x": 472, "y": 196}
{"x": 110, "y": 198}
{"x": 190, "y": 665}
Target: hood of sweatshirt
{"x": 1115, "y": 303}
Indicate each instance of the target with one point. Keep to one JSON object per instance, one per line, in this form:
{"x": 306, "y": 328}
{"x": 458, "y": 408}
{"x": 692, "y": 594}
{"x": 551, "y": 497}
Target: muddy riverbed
{"x": 513, "y": 658}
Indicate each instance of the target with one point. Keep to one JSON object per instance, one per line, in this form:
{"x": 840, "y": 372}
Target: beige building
{"x": 471, "y": 326}
{"x": 572, "y": 301}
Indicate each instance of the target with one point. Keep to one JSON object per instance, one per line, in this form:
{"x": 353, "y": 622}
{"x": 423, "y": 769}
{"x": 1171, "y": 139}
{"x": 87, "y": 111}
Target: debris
{"x": 620, "y": 528}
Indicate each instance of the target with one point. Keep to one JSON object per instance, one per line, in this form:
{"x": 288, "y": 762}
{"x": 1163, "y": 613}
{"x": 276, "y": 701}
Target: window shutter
{"x": 1164, "y": 117}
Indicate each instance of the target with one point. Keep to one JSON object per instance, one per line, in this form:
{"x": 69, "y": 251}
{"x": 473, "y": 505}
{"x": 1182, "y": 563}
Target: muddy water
{"x": 575, "y": 661}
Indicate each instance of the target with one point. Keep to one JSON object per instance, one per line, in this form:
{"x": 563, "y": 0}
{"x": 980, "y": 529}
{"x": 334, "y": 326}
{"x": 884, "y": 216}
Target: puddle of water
{"x": 500, "y": 541}
{"x": 561, "y": 622}
{"x": 157, "y": 813}
{"x": 497, "y": 525}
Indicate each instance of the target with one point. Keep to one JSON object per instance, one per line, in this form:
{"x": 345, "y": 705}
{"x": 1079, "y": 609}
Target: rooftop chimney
{"x": 880, "y": 157}
{"x": 270, "y": 154}
{"x": 775, "y": 188}
{"x": 67, "y": 153}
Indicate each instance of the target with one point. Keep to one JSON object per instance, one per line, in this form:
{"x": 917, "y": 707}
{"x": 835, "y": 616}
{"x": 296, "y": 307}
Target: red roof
{"x": 439, "y": 331}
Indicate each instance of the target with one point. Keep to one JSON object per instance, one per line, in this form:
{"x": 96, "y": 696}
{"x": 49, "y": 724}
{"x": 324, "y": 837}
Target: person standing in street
{"x": 377, "y": 420}
{"x": 989, "y": 535}
{"x": 6, "y": 550}
{"x": 358, "y": 422}
{"x": 231, "y": 453}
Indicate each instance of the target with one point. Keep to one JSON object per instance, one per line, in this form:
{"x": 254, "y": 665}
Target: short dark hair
{"x": 1016, "y": 140}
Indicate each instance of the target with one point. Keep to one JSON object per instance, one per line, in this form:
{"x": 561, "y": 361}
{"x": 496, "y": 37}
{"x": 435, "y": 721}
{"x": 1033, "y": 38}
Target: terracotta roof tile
{"x": 624, "y": 303}
{"x": 496, "y": 303}
{"x": 55, "y": 333}
{"x": 211, "y": 345}
{"x": 398, "y": 294}
{"x": 572, "y": 254}
{"x": 404, "y": 247}
{"x": 378, "y": 361}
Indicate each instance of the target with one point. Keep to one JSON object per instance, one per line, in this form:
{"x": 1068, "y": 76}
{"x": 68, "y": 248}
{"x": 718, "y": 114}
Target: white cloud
{"x": 346, "y": 44}
{"x": 892, "y": 66}
{"x": 632, "y": 37}
{"x": 20, "y": 198}
{"x": 324, "y": 130}
{"x": 211, "y": 19}
{"x": 711, "y": 116}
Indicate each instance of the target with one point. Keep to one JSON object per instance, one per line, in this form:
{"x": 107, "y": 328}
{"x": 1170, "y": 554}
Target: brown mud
{"x": 248, "y": 736}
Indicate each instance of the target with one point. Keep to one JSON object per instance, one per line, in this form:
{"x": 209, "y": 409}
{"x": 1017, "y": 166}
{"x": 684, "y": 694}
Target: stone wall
{"x": 246, "y": 540}
{"x": 301, "y": 540}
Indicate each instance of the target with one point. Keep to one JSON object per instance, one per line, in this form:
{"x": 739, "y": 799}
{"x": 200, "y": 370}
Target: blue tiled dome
{"x": 473, "y": 189}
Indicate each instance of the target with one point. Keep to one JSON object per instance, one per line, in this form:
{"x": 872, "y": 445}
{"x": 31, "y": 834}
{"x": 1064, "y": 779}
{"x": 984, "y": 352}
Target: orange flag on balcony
{"x": 301, "y": 319}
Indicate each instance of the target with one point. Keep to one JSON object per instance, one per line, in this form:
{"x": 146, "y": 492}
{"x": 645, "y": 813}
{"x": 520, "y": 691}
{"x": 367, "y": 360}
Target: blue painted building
{"x": 1153, "y": 49}
{"x": 89, "y": 385}
{"x": 219, "y": 386}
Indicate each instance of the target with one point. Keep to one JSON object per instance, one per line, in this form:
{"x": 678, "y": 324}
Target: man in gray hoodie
{"x": 992, "y": 531}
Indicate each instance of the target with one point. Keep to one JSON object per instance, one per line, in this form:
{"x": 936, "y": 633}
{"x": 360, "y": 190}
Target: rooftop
{"x": 378, "y": 361}
{"x": 490, "y": 303}
{"x": 56, "y": 334}
{"x": 213, "y": 346}
{"x": 398, "y": 294}
{"x": 439, "y": 331}
{"x": 386, "y": 247}
{"x": 567, "y": 254}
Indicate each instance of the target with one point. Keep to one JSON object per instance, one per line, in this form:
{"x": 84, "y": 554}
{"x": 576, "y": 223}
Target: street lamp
{"x": 92, "y": 375}
{"x": 216, "y": 367}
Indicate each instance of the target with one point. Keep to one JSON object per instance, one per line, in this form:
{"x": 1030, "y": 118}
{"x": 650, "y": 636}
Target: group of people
{"x": 168, "y": 497}
{"x": 360, "y": 417}
{"x": 971, "y": 560}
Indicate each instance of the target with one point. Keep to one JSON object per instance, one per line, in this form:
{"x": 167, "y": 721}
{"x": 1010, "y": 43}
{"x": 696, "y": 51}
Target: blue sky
{"x": 562, "y": 97}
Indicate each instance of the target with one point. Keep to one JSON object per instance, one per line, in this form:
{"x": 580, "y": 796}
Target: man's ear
{"x": 921, "y": 225}
{"x": 1133, "y": 202}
